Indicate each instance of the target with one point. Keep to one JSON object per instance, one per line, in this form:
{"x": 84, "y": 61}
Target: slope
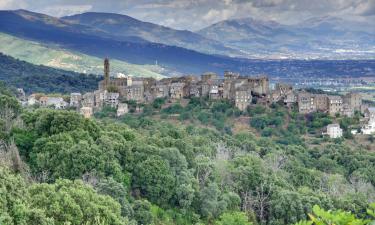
{"x": 37, "y": 27}
{"x": 125, "y": 26}
{"x": 33, "y": 78}
{"x": 325, "y": 37}
{"x": 53, "y": 56}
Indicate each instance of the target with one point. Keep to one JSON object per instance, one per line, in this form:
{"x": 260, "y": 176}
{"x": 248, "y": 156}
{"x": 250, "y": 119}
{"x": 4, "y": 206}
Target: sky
{"x": 197, "y": 14}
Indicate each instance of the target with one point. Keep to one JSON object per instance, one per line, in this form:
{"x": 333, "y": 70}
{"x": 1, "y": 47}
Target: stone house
{"x": 335, "y": 105}
{"x": 134, "y": 92}
{"x": 112, "y": 99}
{"x": 370, "y": 114}
{"x": 160, "y": 91}
{"x": 75, "y": 100}
{"x": 354, "y": 100}
{"x": 57, "y": 102}
{"x": 321, "y": 102}
{"x": 347, "y": 110}
{"x": 86, "y": 112}
{"x": 243, "y": 98}
{"x": 176, "y": 90}
{"x": 306, "y": 103}
{"x": 88, "y": 100}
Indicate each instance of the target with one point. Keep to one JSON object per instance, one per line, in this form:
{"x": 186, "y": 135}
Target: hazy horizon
{"x": 178, "y": 14}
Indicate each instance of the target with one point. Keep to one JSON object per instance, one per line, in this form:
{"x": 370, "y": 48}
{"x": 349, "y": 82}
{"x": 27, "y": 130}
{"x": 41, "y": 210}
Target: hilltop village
{"x": 242, "y": 91}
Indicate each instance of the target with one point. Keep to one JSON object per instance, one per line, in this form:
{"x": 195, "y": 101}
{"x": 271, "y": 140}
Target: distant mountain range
{"x": 125, "y": 26}
{"x": 79, "y": 42}
{"x": 87, "y": 40}
{"x": 316, "y": 38}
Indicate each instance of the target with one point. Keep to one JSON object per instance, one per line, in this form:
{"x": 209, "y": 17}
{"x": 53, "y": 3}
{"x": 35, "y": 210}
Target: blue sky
{"x": 196, "y": 14}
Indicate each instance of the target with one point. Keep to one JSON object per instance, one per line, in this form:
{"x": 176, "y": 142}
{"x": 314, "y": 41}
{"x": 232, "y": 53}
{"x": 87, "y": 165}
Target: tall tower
{"x": 106, "y": 73}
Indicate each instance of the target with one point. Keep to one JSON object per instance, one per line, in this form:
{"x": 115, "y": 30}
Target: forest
{"x": 43, "y": 79}
{"x": 58, "y": 168}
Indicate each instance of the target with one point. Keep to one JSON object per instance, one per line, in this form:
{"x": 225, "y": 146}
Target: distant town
{"x": 242, "y": 91}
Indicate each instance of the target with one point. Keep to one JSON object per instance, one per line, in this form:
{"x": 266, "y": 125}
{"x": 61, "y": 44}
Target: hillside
{"x": 33, "y": 78}
{"x": 53, "y": 56}
{"x": 125, "y": 26}
{"x": 38, "y": 27}
{"x": 316, "y": 38}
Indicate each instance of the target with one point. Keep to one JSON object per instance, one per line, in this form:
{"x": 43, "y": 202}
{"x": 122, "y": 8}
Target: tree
{"x": 154, "y": 178}
{"x": 233, "y": 218}
{"x": 142, "y": 212}
{"x": 211, "y": 205}
{"x": 75, "y": 203}
{"x": 15, "y": 207}
{"x": 337, "y": 217}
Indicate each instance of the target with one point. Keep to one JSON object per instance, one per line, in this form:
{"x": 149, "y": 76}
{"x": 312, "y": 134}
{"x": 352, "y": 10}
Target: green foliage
{"x": 42, "y": 79}
{"x": 159, "y": 172}
{"x": 233, "y": 218}
{"x": 154, "y": 179}
{"x": 75, "y": 203}
{"x": 142, "y": 212}
{"x": 322, "y": 217}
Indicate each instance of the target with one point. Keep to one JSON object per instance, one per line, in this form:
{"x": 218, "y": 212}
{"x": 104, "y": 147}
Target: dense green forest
{"x": 42, "y": 79}
{"x": 58, "y": 168}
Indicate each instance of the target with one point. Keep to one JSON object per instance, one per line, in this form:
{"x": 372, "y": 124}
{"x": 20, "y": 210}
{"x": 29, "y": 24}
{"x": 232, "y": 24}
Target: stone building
{"x": 229, "y": 83}
{"x": 195, "y": 90}
{"x": 122, "y": 109}
{"x": 134, "y": 92}
{"x": 370, "y": 114}
{"x": 160, "y": 90}
{"x": 321, "y": 102}
{"x": 334, "y": 131}
{"x": 243, "y": 98}
{"x": 306, "y": 103}
{"x": 111, "y": 99}
{"x": 354, "y": 100}
{"x": 75, "y": 100}
{"x": 290, "y": 98}
{"x": 259, "y": 85}
{"x": 176, "y": 90}
{"x": 86, "y": 112}
{"x": 335, "y": 105}
{"x": 347, "y": 110}
{"x": 88, "y": 100}
{"x": 56, "y": 102}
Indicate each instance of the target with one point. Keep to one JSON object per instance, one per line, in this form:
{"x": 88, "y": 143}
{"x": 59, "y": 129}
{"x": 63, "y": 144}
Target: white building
{"x": 57, "y": 102}
{"x": 334, "y": 131}
{"x": 369, "y": 128}
{"x": 32, "y": 100}
{"x": 86, "y": 112}
{"x": 122, "y": 109}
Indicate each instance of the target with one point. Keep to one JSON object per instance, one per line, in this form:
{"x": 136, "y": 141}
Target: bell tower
{"x": 106, "y": 73}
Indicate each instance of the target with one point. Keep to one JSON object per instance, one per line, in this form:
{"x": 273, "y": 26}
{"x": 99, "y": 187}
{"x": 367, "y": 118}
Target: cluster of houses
{"x": 241, "y": 90}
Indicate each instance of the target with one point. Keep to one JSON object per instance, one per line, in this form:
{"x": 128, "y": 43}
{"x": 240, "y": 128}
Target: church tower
{"x": 106, "y": 73}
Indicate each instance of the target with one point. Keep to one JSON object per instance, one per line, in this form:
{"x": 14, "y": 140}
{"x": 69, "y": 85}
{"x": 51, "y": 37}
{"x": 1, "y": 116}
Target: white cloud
{"x": 12, "y": 4}
{"x": 63, "y": 10}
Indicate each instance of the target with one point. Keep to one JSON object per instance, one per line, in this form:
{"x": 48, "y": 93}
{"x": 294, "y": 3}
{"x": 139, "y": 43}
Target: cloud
{"x": 12, "y": 4}
{"x": 196, "y": 14}
{"x": 63, "y": 10}
{"x": 366, "y": 8}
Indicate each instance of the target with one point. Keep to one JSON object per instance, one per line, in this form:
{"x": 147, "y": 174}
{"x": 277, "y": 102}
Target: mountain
{"x": 324, "y": 37}
{"x": 125, "y": 26}
{"x": 53, "y": 56}
{"x": 33, "y": 78}
{"x": 80, "y": 38}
